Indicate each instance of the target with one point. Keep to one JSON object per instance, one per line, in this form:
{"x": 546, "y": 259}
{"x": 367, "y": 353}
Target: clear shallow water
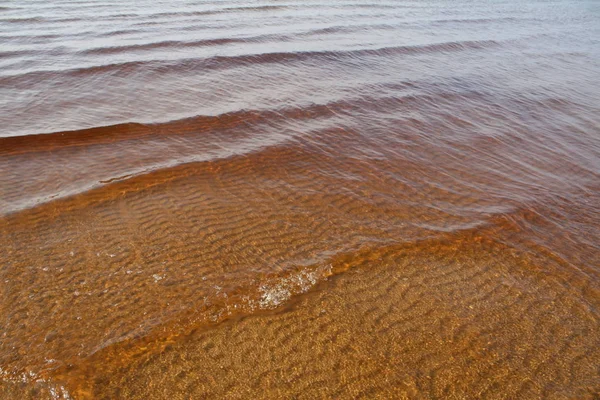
{"x": 168, "y": 166}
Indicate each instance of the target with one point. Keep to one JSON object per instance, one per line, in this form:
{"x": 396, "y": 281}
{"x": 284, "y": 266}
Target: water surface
{"x": 166, "y": 168}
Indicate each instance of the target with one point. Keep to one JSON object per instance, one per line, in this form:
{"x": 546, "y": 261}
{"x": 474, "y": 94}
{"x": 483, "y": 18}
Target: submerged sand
{"x": 461, "y": 318}
{"x": 466, "y": 319}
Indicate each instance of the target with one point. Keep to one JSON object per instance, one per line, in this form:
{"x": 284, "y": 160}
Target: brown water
{"x": 300, "y": 199}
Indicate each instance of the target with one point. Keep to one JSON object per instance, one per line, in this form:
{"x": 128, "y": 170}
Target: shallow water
{"x": 168, "y": 167}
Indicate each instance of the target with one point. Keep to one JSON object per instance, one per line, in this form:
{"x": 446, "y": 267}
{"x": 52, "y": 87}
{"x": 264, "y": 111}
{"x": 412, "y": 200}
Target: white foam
{"x": 273, "y": 295}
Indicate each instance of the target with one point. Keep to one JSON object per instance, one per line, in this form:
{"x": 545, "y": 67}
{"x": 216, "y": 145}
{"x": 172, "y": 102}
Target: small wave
{"x": 202, "y": 123}
{"x": 16, "y": 53}
{"x": 29, "y": 20}
{"x": 31, "y": 38}
{"x": 180, "y": 14}
{"x": 477, "y": 20}
{"x": 20, "y": 144}
{"x": 34, "y": 20}
{"x": 346, "y": 29}
{"x": 225, "y": 62}
{"x": 177, "y": 44}
{"x": 119, "y": 32}
{"x": 213, "y": 11}
{"x": 122, "y": 15}
{"x": 376, "y": 6}
{"x": 256, "y": 8}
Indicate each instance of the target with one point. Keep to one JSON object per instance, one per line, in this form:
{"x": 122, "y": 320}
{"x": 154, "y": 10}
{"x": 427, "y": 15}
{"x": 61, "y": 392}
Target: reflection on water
{"x": 167, "y": 167}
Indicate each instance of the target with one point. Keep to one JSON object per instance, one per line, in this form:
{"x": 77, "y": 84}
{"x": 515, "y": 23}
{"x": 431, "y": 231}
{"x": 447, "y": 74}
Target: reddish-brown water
{"x": 300, "y": 200}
